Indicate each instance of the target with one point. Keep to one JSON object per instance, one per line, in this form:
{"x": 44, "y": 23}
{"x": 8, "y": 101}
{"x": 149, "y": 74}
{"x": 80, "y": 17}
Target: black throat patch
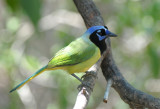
{"x": 100, "y": 44}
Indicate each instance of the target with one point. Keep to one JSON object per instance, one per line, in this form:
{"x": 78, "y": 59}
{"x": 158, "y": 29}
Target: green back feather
{"x": 76, "y": 52}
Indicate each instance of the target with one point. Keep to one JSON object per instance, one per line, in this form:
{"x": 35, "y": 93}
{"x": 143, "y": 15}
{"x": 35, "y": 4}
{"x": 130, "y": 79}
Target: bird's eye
{"x": 99, "y": 32}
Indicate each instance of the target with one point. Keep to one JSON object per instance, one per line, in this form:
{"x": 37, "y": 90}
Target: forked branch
{"x": 135, "y": 98}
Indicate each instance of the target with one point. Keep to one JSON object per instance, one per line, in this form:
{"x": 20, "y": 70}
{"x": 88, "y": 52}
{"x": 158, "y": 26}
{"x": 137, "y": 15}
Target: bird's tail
{"x": 29, "y": 78}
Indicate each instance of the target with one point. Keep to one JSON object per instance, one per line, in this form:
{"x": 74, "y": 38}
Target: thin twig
{"x": 109, "y": 84}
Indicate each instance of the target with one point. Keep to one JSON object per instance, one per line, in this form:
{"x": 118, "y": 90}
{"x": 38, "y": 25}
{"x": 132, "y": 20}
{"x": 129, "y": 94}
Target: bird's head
{"x": 98, "y": 34}
{"x": 101, "y": 32}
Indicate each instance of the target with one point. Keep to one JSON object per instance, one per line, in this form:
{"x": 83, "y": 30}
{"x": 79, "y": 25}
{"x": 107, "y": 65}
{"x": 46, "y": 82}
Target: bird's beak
{"x": 110, "y": 34}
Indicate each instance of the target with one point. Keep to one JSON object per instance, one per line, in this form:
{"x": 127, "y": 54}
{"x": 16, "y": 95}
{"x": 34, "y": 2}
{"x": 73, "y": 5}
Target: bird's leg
{"x": 83, "y": 83}
{"x": 89, "y": 73}
{"x": 77, "y": 77}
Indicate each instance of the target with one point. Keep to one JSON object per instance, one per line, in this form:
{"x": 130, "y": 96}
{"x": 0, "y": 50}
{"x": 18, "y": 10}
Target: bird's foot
{"x": 89, "y": 73}
{"x": 85, "y": 84}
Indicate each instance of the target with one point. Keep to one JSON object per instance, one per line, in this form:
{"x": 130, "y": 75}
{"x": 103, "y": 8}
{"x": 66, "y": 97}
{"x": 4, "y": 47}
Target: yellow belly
{"x": 84, "y": 66}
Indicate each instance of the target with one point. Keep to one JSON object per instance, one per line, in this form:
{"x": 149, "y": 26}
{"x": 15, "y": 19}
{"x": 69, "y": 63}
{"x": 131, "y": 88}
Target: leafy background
{"x": 32, "y": 31}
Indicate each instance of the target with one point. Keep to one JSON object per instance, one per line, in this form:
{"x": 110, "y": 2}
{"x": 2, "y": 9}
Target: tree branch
{"x": 89, "y": 12}
{"x": 89, "y": 80}
{"x": 135, "y": 98}
{"x": 86, "y": 6}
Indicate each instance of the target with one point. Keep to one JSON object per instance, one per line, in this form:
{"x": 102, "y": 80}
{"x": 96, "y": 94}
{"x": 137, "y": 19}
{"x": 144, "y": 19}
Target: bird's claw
{"x": 89, "y": 73}
{"x": 86, "y": 84}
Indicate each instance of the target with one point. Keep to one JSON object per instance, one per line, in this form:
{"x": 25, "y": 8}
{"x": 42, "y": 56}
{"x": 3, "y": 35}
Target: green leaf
{"x": 13, "y": 4}
{"x": 32, "y": 9}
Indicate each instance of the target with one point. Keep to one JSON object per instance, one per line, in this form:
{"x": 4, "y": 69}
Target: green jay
{"x": 79, "y": 55}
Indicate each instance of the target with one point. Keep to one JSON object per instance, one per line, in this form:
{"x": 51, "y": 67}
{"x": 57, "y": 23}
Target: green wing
{"x": 76, "y": 52}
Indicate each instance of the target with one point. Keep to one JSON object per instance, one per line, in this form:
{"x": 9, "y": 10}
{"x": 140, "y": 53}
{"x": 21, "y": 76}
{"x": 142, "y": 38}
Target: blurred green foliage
{"x": 13, "y": 4}
{"x": 32, "y": 8}
{"x": 23, "y": 50}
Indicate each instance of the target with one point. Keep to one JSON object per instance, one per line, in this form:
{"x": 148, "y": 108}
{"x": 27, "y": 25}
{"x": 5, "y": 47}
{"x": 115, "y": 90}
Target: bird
{"x": 78, "y": 56}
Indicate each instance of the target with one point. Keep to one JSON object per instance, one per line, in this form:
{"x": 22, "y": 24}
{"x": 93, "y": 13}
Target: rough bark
{"x": 135, "y": 98}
